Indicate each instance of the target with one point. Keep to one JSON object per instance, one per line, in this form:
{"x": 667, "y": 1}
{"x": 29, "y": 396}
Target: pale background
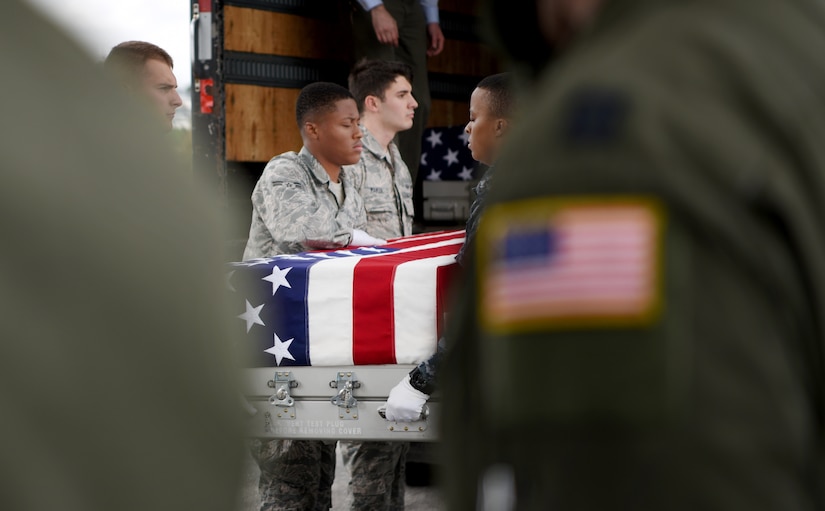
{"x": 98, "y": 25}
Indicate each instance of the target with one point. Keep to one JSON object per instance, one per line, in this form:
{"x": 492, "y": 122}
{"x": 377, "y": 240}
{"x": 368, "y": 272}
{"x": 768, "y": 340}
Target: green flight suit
{"x": 700, "y": 386}
{"x": 117, "y": 390}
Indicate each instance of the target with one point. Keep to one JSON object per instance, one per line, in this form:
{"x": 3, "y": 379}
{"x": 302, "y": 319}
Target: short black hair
{"x": 374, "y": 77}
{"x": 500, "y": 88}
{"x": 318, "y": 98}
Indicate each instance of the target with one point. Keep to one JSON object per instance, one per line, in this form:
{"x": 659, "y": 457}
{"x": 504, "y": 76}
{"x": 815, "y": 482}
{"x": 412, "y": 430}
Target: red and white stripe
{"x": 396, "y": 299}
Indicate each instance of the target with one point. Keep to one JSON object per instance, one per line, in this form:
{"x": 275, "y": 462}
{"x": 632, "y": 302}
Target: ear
{"x": 501, "y": 127}
{"x": 371, "y": 103}
{"x": 311, "y": 129}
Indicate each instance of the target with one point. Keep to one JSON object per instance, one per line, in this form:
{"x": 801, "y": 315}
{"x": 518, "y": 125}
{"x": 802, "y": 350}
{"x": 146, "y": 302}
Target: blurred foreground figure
{"x": 116, "y": 388}
{"x": 644, "y": 326}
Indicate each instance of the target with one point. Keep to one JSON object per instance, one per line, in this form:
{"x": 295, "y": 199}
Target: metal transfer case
{"x": 330, "y": 403}
{"x": 325, "y": 335}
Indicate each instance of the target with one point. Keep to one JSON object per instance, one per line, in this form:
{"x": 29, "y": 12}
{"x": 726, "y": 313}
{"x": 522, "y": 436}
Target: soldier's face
{"x": 160, "y": 87}
{"x": 397, "y": 110}
{"x": 484, "y": 128}
{"x": 337, "y": 135}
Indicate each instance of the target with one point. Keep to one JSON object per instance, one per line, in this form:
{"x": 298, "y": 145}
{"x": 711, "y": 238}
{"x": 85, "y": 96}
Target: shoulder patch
{"x": 578, "y": 262}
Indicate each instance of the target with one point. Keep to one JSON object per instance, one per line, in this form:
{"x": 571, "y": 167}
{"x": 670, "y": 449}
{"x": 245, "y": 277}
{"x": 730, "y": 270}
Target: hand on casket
{"x": 362, "y": 239}
{"x": 405, "y": 403}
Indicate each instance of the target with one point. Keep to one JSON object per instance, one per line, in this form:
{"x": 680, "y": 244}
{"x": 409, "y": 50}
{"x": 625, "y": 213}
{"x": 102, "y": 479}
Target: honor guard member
{"x": 383, "y": 92}
{"x": 116, "y": 389}
{"x": 305, "y": 201}
{"x": 384, "y": 95}
{"x": 145, "y": 70}
{"x": 403, "y": 31}
{"x": 644, "y": 325}
{"x": 491, "y": 115}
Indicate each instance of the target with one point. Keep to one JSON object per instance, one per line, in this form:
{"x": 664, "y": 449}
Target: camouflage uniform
{"x": 293, "y": 209}
{"x": 412, "y": 21}
{"x": 377, "y": 468}
{"x": 295, "y": 474}
{"x": 377, "y": 474}
{"x": 384, "y": 182}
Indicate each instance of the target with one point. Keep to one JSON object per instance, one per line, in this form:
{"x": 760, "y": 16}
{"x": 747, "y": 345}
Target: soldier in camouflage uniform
{"x": 145, "y": 70}
{"x": 384, "y": 95}
{"x": 306, "y": 201}
{"x": 642, "y": 326}
{"x": 294, "y": 209}
{"x": 491, "y": 112}
{"x": 385, "y": 98}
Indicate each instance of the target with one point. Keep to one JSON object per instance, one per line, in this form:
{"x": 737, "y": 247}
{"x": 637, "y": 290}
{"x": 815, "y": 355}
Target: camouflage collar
{"x": 313, "y": 166}
{"x": 373, "y": 146}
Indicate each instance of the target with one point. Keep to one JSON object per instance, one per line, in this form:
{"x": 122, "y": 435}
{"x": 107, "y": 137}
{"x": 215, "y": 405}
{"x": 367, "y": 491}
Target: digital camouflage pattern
{"x": 296, "y": 475}
{"x": 293, "y": 209}
{"x": 377, "y": 474}
{"x": 385, "y": 185}
{"x": 382, "y": 179}
{"x": 412, "y": 50}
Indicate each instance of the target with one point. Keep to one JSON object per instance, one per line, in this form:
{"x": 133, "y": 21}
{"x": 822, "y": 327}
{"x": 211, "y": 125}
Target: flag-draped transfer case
{"x": 360, "y": 317}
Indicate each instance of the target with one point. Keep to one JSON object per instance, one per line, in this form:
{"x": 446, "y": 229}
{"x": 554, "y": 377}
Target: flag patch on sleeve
{"x": 570, "y": 263}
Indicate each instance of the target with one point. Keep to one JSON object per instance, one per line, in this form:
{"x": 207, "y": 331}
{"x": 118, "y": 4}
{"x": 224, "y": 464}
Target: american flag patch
{"x": 550, "y": 263}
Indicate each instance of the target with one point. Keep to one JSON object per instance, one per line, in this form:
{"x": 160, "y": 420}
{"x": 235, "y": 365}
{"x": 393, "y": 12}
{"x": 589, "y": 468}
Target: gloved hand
{"x": 404, "y": 402}
{"x": 362, "y": 239}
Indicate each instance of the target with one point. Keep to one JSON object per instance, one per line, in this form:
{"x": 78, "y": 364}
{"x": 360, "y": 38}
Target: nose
{"x": 356, "y": 132}
{"x": 414, "y": 102}
{"x": 176, "y": 99}
{"x": 467, "y": 129}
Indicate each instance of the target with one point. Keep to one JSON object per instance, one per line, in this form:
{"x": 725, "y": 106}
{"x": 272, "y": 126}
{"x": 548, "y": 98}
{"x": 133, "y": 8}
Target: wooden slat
{"x": 464, "y": 58}
{"x": 260, "y": 122}
{"x": 275, "y": 33}
{"x": 448, "y": 113}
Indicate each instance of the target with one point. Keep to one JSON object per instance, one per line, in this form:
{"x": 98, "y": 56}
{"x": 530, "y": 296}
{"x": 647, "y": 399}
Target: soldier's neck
{"x": 379, "y": 132}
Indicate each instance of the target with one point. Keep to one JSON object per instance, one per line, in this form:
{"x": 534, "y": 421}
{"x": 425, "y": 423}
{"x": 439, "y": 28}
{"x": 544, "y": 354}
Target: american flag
{"x": 445, "y": 155}
{"x": 369, "y": 305}
{"x": 586, "y": 263}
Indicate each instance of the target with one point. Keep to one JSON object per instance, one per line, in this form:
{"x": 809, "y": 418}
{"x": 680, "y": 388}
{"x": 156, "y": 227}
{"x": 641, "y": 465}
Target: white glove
{"x": 362, "y": 239}
{"x": 404, "y": 402}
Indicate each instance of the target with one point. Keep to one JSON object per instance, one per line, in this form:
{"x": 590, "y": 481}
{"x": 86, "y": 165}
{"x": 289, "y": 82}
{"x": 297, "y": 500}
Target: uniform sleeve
{"x": 293, "y": 213}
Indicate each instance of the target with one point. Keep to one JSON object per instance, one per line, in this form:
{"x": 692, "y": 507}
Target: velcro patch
{"x": 570, "y": 263}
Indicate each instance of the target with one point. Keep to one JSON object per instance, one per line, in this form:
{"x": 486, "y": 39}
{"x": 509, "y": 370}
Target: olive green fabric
{"x": 117, "y": 387}
{"x": 716, "y": 110}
